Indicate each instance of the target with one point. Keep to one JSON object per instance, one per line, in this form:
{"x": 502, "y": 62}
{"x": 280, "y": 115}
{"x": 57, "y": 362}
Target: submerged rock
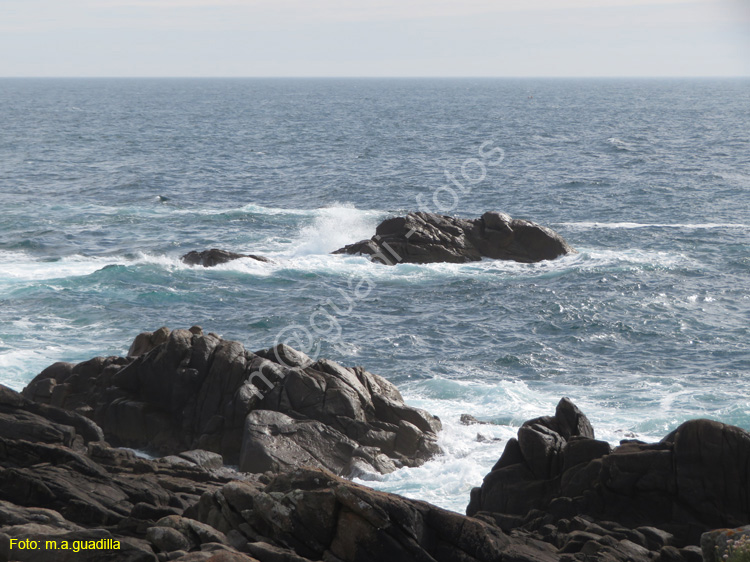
{"x": 468, "y": 419}
{"x": 213, "y": 257}
{"x": 428, "y": 238}
{"x": 270, "y": 410}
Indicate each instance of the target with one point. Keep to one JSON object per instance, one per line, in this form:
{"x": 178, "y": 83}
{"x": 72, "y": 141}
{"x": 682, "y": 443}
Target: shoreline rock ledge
{"x": 65, "y": 488}
{"x": 270, "y": 410}
{"x": 638, "y": 502}
{"x": 556, "y": 494}
{"x": 430, "y": 238}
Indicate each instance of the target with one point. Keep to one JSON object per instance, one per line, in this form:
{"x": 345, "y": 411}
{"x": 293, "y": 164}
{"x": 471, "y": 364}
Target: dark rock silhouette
{"x": 269, "y": 410}
{"x": 213, "y": 257}
{"x": 556, "y": 494}
{"x": 321, "y": 517}
{"x": 428, "y": 238}
{"x": 60, "y": 481}
{"x": 557, "y": 480}
{"x": 183, "y": 508}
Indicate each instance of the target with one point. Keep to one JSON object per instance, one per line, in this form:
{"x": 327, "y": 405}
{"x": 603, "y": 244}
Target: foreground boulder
{"x": 734, "y": 543}
{"x": 429, "y": 238}
{"x": 556, "y": 479}
{"x": 61, "y": 485}
{"x": 213, "y": 257}
{"x": 269, "y": 410}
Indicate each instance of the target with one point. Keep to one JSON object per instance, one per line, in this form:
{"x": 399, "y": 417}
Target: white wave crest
{"x": 619, "y": 144}
{"x": 20, "y": 266}
{"x": 470, "y": 451}
{"x": 335, "y": 227}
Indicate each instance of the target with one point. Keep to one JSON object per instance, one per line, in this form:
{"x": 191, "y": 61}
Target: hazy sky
{"x": 374, "y": 38}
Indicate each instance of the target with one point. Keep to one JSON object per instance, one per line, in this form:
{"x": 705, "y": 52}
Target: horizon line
{"x": 380, "y": 77}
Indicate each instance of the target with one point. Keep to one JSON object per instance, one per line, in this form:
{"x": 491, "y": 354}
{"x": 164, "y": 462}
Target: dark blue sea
{"x": 104, "y": 183}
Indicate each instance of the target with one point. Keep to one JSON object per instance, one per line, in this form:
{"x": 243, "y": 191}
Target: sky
{"x": 475, "y": 38}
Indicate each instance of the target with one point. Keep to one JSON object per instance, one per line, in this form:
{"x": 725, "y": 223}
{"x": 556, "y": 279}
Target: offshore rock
{"x": 213, "y": 257}
{"x": 429, "y": 238}
{"x": 270, "y": 410}
{"x": 557, "y": 480}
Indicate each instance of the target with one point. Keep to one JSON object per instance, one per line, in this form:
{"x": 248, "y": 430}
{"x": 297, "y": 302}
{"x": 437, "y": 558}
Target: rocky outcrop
{"x": 60, "y": 482}
{"x": 556, "y": 494}
{"x": 428, "y": 238}
{"x": 213, "y": 257}
{"x": 310, "y": 515}
{"x": 269, "y": 410}
{"x": 558, "y": 481}
{"x": 66, "y": 491}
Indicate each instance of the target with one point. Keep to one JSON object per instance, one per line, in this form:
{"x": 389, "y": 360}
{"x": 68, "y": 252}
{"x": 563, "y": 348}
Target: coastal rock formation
{"x": 557, "y": 480}
{"x": 213, "y": 257}
{"x": 557, "y": 494}
{"x": 59, "y": 481}
{"x": 64, "y": 490}
{"x": 318, "y": 516}
{"x": 428, "y": 238}
{"x": 269, "y": 410}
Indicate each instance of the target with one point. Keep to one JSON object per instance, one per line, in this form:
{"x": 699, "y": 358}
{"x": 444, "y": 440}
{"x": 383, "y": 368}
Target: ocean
{"x": 105, "y": 183}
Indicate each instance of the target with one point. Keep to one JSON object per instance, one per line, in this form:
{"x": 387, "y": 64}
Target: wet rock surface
{"x": 429, "y": 238}
{"x": 214, "y": 257}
